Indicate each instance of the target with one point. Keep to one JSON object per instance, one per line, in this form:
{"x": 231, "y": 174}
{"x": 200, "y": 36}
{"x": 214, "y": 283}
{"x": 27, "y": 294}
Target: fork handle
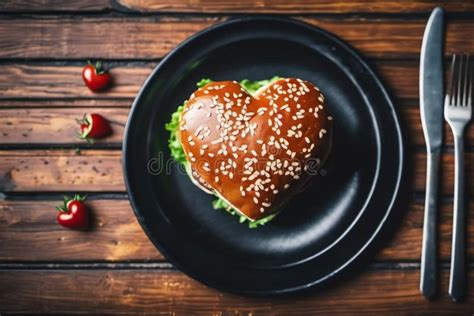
{"x": 457, "y": 278}
{"x": 429, "y": 275}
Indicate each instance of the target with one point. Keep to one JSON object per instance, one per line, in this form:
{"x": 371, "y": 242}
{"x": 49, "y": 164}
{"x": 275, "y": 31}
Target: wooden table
{"x": 113, "y": 268}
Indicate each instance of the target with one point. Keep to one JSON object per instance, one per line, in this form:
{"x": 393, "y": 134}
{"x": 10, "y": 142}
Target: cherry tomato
{"x": 73, "y": 214}
{"x": 96, "y": 77}
{"x": 94, "y": 126}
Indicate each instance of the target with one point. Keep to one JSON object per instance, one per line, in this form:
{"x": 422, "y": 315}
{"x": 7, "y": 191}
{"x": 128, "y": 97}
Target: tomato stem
{"x": 99, "y": 67}
{"x": 77, "y": 197}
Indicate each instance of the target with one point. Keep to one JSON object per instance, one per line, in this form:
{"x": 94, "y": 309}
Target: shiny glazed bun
{"x": 255, "y": 152}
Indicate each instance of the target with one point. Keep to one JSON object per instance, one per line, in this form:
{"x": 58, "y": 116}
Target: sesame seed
{"x": 322, "y": 132}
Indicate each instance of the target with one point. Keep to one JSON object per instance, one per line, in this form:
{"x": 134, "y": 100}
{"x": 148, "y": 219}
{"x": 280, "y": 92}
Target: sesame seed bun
{"x": 255, "y": 151}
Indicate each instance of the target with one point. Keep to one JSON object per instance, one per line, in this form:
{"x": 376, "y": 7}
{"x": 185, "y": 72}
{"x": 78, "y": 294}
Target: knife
{"x": 431, "y": 108}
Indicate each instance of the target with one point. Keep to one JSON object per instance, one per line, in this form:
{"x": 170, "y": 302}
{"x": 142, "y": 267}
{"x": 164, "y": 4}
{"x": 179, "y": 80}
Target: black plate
{"x": 323, "y": 229}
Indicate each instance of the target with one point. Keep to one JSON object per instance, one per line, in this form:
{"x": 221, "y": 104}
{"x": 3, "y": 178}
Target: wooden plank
{"x": 171, "y": 292}
{"x": 60, "y": 170}
{"x": 298, "y": 6}
{"x": 418, "y": 162}
{"x": 411, "y": 121}
{"x": 56, "y": 126}
{"x": 85, "y": 104}
{"x": 54, "y": 5}
{"x": 151, "y": 38}
{"x": 118, "y": 38}
{"x": 406, "y": 243}
{"x": 25, "y": 81}
{"x": 100, "y": 170}
{"x": 19, "y": 81}
{"x": 245, "y": 6}
{"x": 29, "y": 232}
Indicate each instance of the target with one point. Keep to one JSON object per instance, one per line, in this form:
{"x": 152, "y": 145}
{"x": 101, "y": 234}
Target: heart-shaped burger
{"x": 255, "y": 151}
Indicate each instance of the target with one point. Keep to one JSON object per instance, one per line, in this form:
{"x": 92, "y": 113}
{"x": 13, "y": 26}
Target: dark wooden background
{"x": 114, "y": 268}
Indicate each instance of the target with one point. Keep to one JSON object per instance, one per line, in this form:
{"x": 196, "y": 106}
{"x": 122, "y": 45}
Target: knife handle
{"x": 429, "y": 274}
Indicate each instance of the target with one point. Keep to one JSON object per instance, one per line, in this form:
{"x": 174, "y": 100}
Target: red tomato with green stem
{"x": 73, "y": 213}
{"x": 96, "y": 77}
{"x": 94, "y": 126}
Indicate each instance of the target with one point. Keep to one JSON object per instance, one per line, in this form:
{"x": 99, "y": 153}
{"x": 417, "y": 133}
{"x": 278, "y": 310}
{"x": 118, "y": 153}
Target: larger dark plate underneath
{"x": 325, "y": 228}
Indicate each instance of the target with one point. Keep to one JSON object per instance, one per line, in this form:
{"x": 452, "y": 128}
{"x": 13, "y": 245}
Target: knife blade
{"x": 431, "y": 109}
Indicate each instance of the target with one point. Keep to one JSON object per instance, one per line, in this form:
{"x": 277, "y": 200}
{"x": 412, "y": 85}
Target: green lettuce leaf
{"x": 253, "y": 86}
{"x": 173, "y": 142}
{"x": 203, "y": 82}
{"x": 221, "y": 204}
{"x": 176, "y": 150}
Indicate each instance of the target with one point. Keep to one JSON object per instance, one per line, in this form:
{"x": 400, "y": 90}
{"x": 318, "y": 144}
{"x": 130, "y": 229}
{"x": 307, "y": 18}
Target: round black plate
{"x": 323, "y": 229}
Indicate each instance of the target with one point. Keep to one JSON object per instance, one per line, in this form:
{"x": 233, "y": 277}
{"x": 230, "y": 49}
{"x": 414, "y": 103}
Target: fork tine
{"x": 470, "y": 84}
{"x": 459, "y": 82}
{"x": 450, "y": 90}
{"x": 465, "y": 82}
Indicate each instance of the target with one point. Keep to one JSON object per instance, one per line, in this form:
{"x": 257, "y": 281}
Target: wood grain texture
{"x": 56, "y": 126}
{"x": 54, "y": 5}
{"x": 84, "y": 104}
{"x": 171, "y": 292}
{"x": 101, "y": 170}
{"x": 116, "y": 38}
{"x": 406, "y": 244}
{"x": 245, "y": 6}
{"x": 410, "y": 118}
{"x": 20, "y": 81}
{"x": 418, "y": 168}
{"x": 299, "y": 6}
{"x": 25, "y": 81}
{"x": 29, "y": 233}
{"x": 60, "y": 170}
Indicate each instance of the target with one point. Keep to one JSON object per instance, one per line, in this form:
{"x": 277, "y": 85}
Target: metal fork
{"x": 458, "y": 112}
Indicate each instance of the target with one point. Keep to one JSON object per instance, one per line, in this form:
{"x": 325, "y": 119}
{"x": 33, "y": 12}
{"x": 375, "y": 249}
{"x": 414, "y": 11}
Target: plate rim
{"x": 401, "y": 172}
